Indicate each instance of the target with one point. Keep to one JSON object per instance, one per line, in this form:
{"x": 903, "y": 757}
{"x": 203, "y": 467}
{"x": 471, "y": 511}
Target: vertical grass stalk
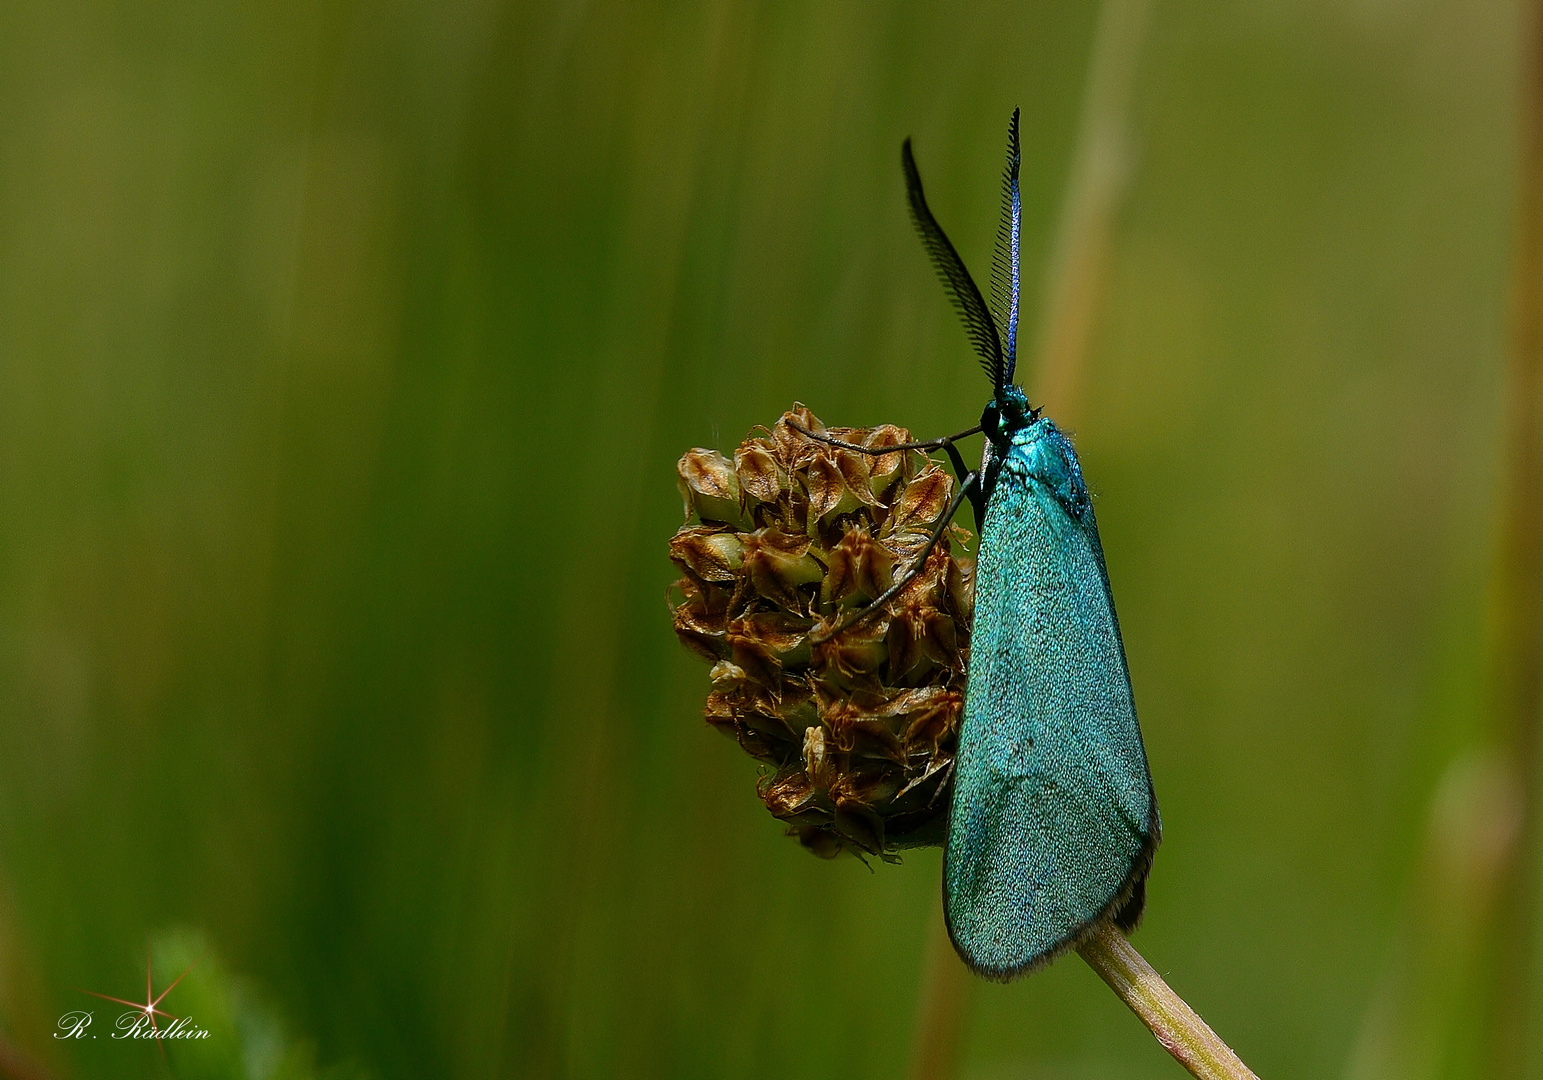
{"x": 1517, "y": 668}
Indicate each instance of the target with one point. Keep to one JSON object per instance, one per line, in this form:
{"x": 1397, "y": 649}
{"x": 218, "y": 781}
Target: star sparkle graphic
{"x": 151, "y": 1006}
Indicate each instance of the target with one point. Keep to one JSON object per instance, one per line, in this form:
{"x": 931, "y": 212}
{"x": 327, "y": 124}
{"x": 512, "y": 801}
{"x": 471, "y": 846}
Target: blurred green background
{"x": 346, "y": 351}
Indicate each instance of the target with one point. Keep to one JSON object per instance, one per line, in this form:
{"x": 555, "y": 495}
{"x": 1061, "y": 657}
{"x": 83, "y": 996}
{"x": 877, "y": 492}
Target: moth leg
{"x": 946, "y": 444}
{"x": 969, "y": 483}
{"x": 938, "y": 529}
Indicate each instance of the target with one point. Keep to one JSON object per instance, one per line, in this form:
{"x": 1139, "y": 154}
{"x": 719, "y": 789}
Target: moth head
{"x": 1007, "y": 412}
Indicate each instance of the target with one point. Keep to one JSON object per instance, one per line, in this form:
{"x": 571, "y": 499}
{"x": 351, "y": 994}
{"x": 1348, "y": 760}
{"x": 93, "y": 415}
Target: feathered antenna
{"x": 961, "y": 288}
{"x": 1004, "y": 261}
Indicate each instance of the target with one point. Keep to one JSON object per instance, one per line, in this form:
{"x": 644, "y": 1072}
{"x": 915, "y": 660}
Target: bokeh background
{"x": 346, "y": 351}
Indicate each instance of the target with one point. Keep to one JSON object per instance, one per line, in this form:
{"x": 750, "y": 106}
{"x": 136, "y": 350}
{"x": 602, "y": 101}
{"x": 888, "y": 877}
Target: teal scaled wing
{"x": 1054, "y": 821}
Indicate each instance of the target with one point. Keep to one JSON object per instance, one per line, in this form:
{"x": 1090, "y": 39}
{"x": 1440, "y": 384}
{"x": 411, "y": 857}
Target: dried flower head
{"x": 858, "y": 731}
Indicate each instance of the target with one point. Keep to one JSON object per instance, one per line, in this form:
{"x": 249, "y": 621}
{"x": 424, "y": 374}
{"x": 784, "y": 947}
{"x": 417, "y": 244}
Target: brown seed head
{"x": 857, "y": 732}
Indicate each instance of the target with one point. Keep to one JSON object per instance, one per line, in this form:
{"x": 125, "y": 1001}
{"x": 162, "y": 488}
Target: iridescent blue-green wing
{"x": 1053, "y": 821}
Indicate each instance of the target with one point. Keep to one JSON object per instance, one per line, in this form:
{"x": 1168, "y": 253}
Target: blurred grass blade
{"x": 1472, "y": 914}
{"x": 1101, "y": 169}
{"x": 946, "y": 989}
{"x": 1517, "y": 596}
{"x": 1414, "y": 1029}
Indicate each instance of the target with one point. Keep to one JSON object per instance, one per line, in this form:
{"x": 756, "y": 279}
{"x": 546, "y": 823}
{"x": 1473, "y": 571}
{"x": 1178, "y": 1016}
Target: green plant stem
{"x": 1177, "y": 1027}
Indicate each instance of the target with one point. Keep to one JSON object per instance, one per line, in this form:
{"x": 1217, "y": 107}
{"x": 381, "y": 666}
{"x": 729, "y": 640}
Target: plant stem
{"x": 1177, "y": 1027}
